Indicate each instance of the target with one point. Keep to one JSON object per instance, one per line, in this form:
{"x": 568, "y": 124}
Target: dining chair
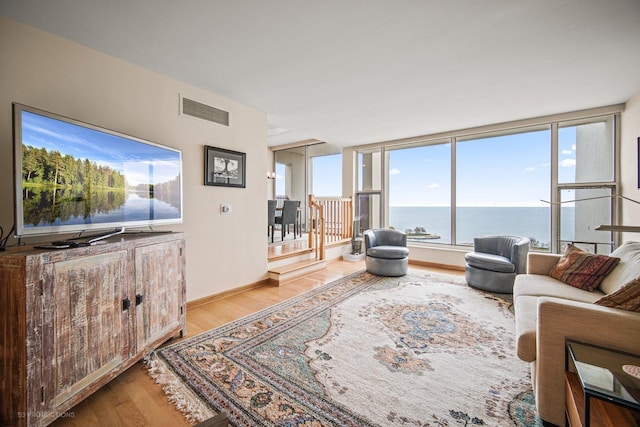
{"x": 271, "y": 217}
{"x": 280, "y": 201}
{"x": 289, "y": 216}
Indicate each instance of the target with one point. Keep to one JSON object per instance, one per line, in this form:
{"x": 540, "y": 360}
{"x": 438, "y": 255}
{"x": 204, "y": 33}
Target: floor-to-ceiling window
{"x": 586, "y": 182}
{"x": 291, "y": 173}
{"x": 325, "y": 164}
{"x": 551, "y": 181}
{"x": 369, "y": 205}
{"x": 420, "y": 191}
{"x": 500, "y": 182}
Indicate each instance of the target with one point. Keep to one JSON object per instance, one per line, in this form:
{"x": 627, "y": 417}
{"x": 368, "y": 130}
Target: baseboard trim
{"x": 221, "y": 295}
{"x": 436, "y": 265}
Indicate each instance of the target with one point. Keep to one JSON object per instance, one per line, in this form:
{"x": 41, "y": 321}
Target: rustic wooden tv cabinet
{"x": 73, "y": 319}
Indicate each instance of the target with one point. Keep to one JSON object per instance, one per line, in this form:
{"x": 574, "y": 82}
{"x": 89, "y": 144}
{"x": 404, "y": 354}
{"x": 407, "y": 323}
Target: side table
{"x": 601, "y": 386}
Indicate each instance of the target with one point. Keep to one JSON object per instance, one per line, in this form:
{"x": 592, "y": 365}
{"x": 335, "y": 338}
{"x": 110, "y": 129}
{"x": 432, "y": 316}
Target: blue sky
{"x": 510, "y": 170}
{"x": 327, "y": 175}
{"x": 128, "y": 156}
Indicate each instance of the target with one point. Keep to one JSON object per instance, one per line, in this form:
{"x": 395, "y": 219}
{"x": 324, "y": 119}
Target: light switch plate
{"x": 225, "y": 209}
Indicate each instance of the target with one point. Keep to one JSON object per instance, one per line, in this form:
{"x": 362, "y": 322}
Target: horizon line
{"x": 475, "y": 206}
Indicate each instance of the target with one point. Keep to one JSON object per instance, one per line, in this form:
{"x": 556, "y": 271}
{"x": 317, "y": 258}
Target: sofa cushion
{"x": 627, "y": 269}
{"x": 625, "y": 298}
{"x": 582, "y": 269}
{"x": 490, "y": 262}
{"x": 537, "y": 285}
{"x": 388, "y": 252}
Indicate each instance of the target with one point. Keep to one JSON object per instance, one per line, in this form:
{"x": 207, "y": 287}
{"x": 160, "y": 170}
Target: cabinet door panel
{"x": 159, "y": 285}
{"x": 88, "y": 334}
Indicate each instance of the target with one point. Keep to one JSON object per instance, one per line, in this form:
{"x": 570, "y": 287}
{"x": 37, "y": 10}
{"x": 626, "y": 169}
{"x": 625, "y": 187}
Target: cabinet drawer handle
{"x": 126, "y": 303}
{"x": 139, "y": 299}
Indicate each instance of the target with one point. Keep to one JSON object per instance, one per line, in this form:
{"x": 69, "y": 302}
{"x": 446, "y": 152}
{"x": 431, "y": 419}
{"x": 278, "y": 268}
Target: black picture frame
{"x": 222, "y": 167}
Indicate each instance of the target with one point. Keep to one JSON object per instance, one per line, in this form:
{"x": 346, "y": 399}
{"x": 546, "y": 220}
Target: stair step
{"x": 292, "y": 254}
{"x": 286, "y": 273}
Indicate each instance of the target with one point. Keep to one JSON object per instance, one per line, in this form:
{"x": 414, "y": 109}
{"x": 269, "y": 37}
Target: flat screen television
{"x": 73, "y": 177}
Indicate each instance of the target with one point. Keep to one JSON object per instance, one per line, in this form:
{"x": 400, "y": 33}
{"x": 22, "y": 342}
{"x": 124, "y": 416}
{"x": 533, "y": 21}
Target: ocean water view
{"x": 532, "y": 222}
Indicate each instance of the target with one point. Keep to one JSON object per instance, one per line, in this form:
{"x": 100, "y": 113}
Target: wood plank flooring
{"x": 282, "y": 250}
{"x": 133, "y": 399}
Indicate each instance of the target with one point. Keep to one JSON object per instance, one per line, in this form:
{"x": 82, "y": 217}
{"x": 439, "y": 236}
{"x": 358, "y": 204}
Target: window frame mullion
{"x": 555, "y": 192}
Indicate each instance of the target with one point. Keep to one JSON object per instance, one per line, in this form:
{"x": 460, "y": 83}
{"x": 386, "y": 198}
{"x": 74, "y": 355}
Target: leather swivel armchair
{"x": 386, "y": 252}
{"x": 495, "y": 262}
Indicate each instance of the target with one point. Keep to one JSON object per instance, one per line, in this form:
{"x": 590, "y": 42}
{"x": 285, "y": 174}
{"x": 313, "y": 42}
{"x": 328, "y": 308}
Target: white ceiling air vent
{"x": 205, "y": 112}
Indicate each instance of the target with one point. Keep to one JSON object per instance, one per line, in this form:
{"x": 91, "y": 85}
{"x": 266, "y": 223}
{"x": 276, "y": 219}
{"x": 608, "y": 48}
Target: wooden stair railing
{"x": 331, "y": 222}
{"x": 316, "y": 228}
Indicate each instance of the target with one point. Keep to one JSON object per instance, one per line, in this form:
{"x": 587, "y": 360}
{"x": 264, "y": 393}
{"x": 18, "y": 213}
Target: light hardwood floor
{"x": 282, "y": 250}
{"x": 133, "y": 399}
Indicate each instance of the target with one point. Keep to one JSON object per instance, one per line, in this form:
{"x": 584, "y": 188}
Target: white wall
{"x": 629, "y": 164}
{"x": 53, "y": 74}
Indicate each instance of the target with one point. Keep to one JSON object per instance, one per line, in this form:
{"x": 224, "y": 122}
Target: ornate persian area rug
{"x": 419, "y": 350}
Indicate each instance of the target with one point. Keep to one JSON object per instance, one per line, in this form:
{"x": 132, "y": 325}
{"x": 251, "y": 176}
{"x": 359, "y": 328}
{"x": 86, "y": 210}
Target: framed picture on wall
{"x": 223, "y": 167}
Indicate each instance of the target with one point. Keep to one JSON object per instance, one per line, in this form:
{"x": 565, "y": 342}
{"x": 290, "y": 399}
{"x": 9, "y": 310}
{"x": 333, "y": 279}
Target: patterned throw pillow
{"x": 625, "y": 298}
{"x": 581, "y": 269}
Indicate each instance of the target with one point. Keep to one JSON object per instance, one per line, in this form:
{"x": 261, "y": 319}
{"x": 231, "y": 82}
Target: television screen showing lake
{"x": 68, "y": 207}
{"x": 76, "y": 177}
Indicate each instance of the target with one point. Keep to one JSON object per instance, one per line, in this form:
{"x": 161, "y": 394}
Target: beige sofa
{"x": 549, "y": 311}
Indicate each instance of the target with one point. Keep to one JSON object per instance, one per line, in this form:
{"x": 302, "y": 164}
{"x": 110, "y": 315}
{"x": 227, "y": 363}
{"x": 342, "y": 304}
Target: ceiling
{"x": 351, "y": 72}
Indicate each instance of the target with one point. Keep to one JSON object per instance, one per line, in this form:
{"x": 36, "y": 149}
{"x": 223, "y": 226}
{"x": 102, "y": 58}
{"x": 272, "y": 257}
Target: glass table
{"x": 609, "y": 375}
